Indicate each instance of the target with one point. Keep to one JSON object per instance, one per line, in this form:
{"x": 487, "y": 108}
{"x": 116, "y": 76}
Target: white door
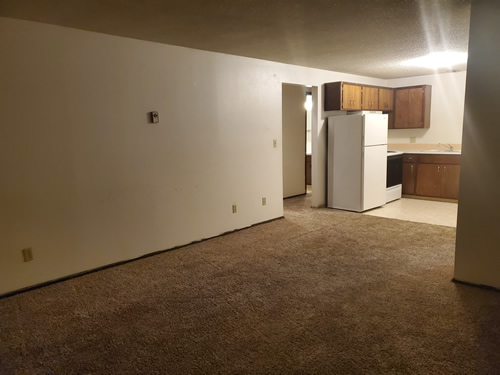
{"x": 293, "y": 140}
{"x": 374, "y": 176}
{"x": 375, "y": 129}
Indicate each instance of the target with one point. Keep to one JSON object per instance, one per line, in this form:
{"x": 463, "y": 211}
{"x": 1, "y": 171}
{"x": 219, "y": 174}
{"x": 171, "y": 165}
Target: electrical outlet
{"x": 264, "y": 201}
{"x": 234, "y": 208}
{"x": 275, "y": 143}
{"x": 27, "y": 254}
{"x": 413, "y": 139}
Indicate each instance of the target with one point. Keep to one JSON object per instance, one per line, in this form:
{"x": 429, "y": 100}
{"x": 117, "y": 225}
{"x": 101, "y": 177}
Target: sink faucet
{"x": 448, "y": 146}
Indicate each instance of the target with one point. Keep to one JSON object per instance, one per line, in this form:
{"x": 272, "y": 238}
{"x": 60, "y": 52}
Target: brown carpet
{"x": 321, "y": 291}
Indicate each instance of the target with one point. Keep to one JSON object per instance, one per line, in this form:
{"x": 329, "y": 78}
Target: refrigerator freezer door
{"x": 375, "y": 126}
{"x": 345, "y": 162}
{"x": 375, "y": 174}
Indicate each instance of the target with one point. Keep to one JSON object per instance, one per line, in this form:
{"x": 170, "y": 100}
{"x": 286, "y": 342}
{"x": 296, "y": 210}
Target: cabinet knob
{"x": 444, "y": 169}
{"x": 411, "y": 167}
{"x": 438, "y": 168}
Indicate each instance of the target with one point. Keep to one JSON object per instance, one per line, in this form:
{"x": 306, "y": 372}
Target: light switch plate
{"x": 155, "y": 117}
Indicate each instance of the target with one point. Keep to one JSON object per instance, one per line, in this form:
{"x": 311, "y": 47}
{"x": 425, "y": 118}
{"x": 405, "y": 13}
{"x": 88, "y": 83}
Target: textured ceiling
{"x": 369, "y": 38}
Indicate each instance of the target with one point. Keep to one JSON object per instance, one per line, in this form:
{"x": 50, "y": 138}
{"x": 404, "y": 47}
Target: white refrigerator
{"x": 357, "y": 161}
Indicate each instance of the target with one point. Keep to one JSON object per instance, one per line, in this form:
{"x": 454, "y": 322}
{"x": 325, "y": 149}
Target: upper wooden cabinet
{"x": 385, "y": 99}
{"x": 351, "y": 96}
{"x": 369, "y": 98}
{"x": 344, "y": 96}
{"x": 408, "y": 107}
{"x": 412, "y": 107}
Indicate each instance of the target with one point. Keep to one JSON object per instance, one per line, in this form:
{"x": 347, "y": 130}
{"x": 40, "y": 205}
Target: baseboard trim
{"x": 323, "y": 205}
{"x": 421, "y": 197}
{"x": 97, "y": 269}
{"x": 480, "y": 286}
{"x": 295, "y": 196}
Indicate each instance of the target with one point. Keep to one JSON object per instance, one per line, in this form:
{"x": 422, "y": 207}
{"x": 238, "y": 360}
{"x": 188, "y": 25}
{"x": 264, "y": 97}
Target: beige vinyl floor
{"x": 422, "y": 211}
{"x": 418, "y": 210}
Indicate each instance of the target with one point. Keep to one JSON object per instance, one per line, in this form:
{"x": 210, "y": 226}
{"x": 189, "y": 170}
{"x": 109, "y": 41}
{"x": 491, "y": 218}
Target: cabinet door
{"x": 401, "y": 120}
{"x": 385, "y": 99}
{"x": 416, "y": 107}
{"x": 451, "y": 176}
{"x": 370, "y": 98}
{"x": 409, "y": 173}
{"x": 351, "y": 96}
{"x": 429, "y": 180}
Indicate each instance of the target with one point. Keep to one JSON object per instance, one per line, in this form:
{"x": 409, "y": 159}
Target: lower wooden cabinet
{"x": 451, "y": 178}
{"x": 429, "y": 182}
{"x": 409, "y": 173}
{"x": 429, "y": 175}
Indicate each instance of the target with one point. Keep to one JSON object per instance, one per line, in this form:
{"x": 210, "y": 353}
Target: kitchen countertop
{"x": 434, "y": 152}
{"x": 394, "y": 153}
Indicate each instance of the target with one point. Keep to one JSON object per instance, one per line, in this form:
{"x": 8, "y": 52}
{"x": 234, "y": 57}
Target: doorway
{"x": 297, "y": 106}
{"x": 308, "y": 107}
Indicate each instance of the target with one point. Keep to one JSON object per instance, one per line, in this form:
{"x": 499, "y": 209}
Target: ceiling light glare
{"x": 436, "y": 60}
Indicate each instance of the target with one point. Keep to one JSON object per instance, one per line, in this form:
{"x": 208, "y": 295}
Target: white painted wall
{"x": 478, "y": 236}
{"x": 447, "y": 109}
{"x": 87, "y": 181}
{"x": 294, "y": 140}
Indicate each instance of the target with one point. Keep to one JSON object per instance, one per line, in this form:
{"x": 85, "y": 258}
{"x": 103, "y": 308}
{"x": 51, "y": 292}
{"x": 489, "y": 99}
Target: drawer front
{"x": 410, "y": 158}
{"x": 439, "y": 159}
